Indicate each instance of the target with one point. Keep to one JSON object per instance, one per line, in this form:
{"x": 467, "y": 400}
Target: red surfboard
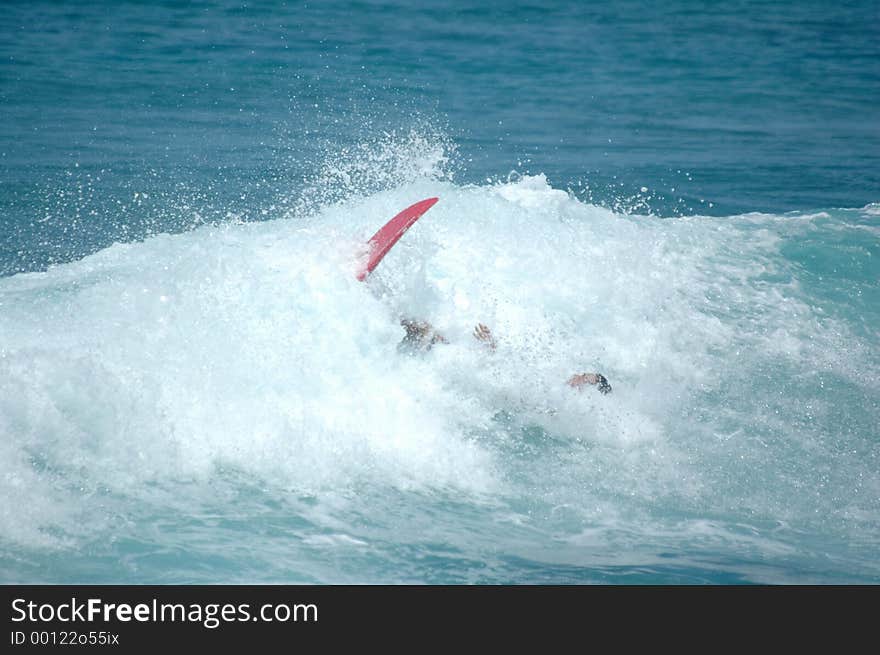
{"x": 388, "y": 234}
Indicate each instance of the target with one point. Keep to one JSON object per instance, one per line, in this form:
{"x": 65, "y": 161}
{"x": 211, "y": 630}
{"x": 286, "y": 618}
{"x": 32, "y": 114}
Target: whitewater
{"x": 228, "y": 403}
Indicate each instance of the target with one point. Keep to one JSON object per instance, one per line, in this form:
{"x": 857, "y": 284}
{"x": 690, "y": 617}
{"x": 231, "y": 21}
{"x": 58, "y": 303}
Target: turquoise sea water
{"x": 194, "y": 387}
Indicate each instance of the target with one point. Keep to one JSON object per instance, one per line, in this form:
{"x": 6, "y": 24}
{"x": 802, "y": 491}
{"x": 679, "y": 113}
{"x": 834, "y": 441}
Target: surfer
{"x": 421, "y": 337}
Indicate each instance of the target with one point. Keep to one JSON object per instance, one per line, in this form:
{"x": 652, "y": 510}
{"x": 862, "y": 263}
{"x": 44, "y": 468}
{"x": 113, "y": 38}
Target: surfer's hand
{"x": 484, "y": 335}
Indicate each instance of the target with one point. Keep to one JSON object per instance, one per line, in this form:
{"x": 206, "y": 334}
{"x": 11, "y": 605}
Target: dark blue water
{"x": 654, "y": 187}
{"x": 749, "y": 106}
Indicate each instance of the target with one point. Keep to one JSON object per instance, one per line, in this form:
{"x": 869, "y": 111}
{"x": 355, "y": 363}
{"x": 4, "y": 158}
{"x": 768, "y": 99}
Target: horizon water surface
{"x": 195, "y": 389}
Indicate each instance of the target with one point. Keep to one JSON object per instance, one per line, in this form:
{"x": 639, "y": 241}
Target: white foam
{"x": 253, "y": 348}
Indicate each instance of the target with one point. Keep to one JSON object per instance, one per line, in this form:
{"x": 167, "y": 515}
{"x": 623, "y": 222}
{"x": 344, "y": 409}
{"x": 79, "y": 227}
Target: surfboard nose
{"x": 381, "y": 242}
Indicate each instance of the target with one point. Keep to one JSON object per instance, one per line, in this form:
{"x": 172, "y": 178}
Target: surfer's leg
{"x": 579, "y": 380}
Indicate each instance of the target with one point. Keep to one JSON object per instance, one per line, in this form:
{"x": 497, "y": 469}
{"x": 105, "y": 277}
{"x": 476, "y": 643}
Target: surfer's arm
{"x": 484, "y": 335}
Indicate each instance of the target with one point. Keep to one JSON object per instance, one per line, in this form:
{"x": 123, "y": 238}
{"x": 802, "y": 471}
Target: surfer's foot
{"x": 578, "y": 381}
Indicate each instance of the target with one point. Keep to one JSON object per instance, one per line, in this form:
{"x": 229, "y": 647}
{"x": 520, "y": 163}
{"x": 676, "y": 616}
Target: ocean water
{"x": 195, "y": 389}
